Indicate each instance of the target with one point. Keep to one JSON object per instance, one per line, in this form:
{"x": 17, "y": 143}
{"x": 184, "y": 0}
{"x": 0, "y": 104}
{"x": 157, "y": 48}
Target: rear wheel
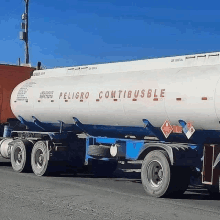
{"x": 39, "y": 158}
{"x": 21, "y": 156}
{"x": 160, "y": 179}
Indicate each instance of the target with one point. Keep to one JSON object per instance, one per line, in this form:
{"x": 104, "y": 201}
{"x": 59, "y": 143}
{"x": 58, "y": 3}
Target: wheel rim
{"x": 39, "y": 158}
{"x": 18, "y": 156}
{"x": 155, "y": 173}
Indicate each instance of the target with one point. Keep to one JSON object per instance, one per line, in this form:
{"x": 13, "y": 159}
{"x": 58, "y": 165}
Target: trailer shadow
{"x": 5, "y": 162}
{"x": 194, "y": 192}
{"x": 118, "y": 175}
{"x": 132, "y": 173}
{"x": 197, "y": 192}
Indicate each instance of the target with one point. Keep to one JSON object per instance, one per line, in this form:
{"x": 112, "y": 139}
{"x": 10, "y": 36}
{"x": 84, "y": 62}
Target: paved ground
{"x": 26, "y": 196}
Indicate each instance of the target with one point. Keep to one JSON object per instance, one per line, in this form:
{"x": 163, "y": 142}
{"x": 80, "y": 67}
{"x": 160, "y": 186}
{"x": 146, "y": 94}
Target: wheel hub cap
{"x": 18, "y": 155}
{"x": 39, "y": 158}
{"x": 155, "y": 173}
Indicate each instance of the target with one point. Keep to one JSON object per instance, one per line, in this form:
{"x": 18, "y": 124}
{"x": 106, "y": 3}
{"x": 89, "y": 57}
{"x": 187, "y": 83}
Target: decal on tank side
{"x": 116, "y": 94}
{"x": 22, "y": 92}
{"x": 46, "y": 95}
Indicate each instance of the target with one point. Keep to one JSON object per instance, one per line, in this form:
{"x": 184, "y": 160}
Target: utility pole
{"x": 24, "y": 33}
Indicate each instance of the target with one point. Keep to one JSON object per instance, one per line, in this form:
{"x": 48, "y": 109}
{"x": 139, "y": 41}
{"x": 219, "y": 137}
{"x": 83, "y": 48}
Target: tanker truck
{"x": 163, "y": 112}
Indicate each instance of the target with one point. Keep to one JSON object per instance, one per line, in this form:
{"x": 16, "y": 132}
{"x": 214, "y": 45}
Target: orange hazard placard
{"x": 166, "y": 128}
{"x": 177, "y": 129}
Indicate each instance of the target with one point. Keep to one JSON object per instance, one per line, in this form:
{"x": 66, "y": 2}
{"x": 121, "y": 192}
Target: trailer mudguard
{"x": 179, "y": 154}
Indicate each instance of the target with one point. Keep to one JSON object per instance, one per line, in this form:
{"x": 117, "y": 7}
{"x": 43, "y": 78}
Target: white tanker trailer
{"x": 120, "y": 107}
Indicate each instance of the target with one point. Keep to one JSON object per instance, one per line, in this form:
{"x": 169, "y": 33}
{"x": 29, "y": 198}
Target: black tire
{"x": 39, "y": 158}
{"x": 99, "y": 151}
{"x": 213, "y": 191}
{"x": 21, "y": 156}
{"x": 156, "y": 174}
{"x": 102, "y": 168}
{"x": 181, "y": 180}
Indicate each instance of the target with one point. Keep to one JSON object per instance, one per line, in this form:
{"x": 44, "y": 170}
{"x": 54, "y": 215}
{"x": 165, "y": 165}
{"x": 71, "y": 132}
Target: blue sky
{"x": 71, "y": 32}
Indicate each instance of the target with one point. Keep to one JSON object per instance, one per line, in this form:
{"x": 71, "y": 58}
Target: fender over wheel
{"x": 21, "y": 155}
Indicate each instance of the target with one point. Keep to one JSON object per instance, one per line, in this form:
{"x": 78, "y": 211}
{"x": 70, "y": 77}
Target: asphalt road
{"x": 26, "y": 196}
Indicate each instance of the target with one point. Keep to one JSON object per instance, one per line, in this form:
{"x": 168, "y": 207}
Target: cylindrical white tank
{"x": 117, "y": 98}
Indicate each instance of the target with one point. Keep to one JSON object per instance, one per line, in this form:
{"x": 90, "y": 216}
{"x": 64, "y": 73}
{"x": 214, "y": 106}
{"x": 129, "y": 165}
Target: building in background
{"x": 10, "y": 77}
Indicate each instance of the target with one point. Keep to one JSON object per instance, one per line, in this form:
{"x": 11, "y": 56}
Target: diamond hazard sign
{"x": 188, "y": 130}
{"x": 166, "y": 128}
